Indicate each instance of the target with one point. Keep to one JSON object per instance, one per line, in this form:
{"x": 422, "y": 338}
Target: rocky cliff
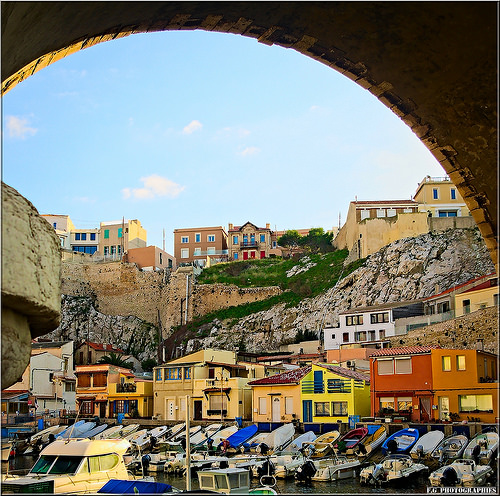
{"x": 407, "y": 269}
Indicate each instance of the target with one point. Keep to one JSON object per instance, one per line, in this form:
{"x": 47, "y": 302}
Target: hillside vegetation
{"x": 299, "y": 278}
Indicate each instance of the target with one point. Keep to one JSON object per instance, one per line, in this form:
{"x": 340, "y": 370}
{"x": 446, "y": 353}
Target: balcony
{"x": 126, "y": 388}
{"x": 249, "y": 244}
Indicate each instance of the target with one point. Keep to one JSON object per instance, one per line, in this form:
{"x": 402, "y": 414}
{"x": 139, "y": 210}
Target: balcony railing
{"x": 310, "y": 387}
{"x": 126, "y": 388}
{"x": 249, "y": 244}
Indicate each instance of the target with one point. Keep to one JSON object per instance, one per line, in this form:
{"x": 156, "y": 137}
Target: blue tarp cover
{"x": 117, "y": 486}
{"x": 239, "y": 437}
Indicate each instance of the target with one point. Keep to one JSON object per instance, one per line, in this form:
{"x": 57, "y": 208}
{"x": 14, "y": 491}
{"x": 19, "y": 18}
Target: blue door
{"x": 307, "y": 409}
{"x": 318, "y": 381}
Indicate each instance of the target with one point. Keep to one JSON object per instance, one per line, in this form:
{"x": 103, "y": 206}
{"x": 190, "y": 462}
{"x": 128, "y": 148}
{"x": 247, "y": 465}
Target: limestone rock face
{"x": 405, "y": 270}
{"x": 31, "y": 281}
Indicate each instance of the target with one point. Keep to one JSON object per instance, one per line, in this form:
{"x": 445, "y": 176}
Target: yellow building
{"x": 331, "y": 394}
{"x": 277, "y": 398}
{"x": 115, "y": 238}
{"x": 106, "y": 390}
{"x": 482, "y": 295}
{"x": 216, "y": 383}
{"x": 440, "y": 197}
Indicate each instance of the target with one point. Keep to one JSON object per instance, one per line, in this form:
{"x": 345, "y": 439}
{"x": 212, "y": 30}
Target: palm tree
{"x": 115, "y": 359}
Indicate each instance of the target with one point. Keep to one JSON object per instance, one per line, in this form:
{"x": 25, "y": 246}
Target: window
{"x": 106, "y": 250}
{"x": 235, "y": 256}
{"x": 385, "y": 367}
{"x": 381, "y": 212}
{"x": 106, "y": 233}
{"x": 288, "y": 404}
{"x": 69, "y": 386}
{"x": 235, "y": 240}
{"x": 339, "y": 408}
{"x": 403, "y": 365}
{"x": 446, "y": 363}
{"x": 84, "y": 380}
{"x": 475, "y": 403}
{"x": 120, "y": 232}
{"x": 345, "y": 337}
{"x": 118, "y": 249}
{"x": 197, "y": 238}
{"x": 187, "y": 373}
{"x": 218, "y": 402}
{"x": 185, "y": 239}
{"x": 321, "y": 408}
{"x": 365, "y": 214}
{"x": 77, "y": 237}
{"x": 378, "y": 318}
{"x": 84, "y": 236}
{"x": 197, "y": 252}
{"x": 435, "y": 194}
{"x": 100, "y": 379}
{"x": 466, "y": 306}
{"x": 184, "y": 252}
{"x": 262, "y": 238}
{"x": 262, "y": 406}
{"x": 404, "y": 404}
{"x": 453, "y": 193}
{"x": 211, "y": 238}
{"x": 92, "y": 236}
{"x": 360, "y": 336}
{"x": 113, "y": 249}
{"x": 87, "y": 408}
{"x": 354, "y": 320}
{"x": 460, "y": 362}
{"x": 387, "y": 403}
{"x": 391, "y": 212}
{"x": 158, "y": 374}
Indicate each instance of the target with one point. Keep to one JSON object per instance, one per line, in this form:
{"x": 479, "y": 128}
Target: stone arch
{"x": 434, "y": 64}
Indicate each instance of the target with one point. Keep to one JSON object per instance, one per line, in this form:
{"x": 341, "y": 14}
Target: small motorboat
{"x": 426, "y": 444}
{"x": 377, "y": 434}
{"x": 110, "y": 433}
{"x": 279, "y": 438}
{"x": 297, "y": 443}
{"x": 225, "y": 480}
{"x": 336, "y": 467}
{"x": 159, "y": 432}
{"x": 40, "y": 438}
{"x": 237, "y": 439}
{"x": 462, "y": 472}
{"x": 116, "y": 486}
{"x": 401, "y": 441}
{"x": 65, "y": 433}
{"x": 450, "y": 448}
{"x": 322, "y": 446}
{"x": 203, "y": 435}
{"x": 254, "y": 441}
{"x": 482, "y": 448}
{"x": 393, "y": 468}
{"x": 350, "y": 440}
{"x": 138, "y": 438}
{"x": 98, "y": 429}
{"x": 129, "y": 429}
{"x": 174, "y": 431}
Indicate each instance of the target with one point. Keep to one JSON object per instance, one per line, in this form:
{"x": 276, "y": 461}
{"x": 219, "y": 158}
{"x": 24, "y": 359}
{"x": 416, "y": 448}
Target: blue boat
{"x": 405, "y": 439}
{"x": 66, "y": 432}
{"x": 117, "y": 486}
{"x": 239, "y": 437}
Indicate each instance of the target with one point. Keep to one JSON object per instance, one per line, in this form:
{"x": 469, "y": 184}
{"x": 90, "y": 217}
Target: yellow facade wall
{"x": 482, "y": 298}
{"x": 276, "y": 403}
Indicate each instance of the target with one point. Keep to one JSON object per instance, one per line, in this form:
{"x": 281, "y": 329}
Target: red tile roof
{"x": 454, "y": 288}
{"x": 288, "y": 377}
{"x": 273, "y": 358}
{"x": 404, "y": 350}
{"x": 100, "y": 347}
{"x": 345, "y": 372}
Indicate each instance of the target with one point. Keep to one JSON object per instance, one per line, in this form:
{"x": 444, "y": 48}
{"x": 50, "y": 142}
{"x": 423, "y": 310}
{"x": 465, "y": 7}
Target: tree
{"x": 148, "y": 364}
{"x": 114, "y": 359}
{"x": 290, "y": 239}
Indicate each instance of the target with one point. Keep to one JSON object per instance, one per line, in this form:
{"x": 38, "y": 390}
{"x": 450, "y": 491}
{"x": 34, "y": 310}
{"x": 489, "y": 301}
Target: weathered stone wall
{"x": 211, "y": 297}
{"x": 462, "y": 332}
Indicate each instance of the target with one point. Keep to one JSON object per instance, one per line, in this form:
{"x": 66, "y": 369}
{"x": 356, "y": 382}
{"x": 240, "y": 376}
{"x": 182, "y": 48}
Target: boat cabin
{"x": 225, "y": 480}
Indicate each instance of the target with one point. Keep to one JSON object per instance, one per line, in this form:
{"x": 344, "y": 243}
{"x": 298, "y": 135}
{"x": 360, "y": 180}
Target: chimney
{"x": 230, "y": 226}
{"x": 268, "y": 225}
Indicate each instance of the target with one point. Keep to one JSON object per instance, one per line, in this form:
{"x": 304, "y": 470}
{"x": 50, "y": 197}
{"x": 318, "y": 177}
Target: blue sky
{"x": 192, "y": 129}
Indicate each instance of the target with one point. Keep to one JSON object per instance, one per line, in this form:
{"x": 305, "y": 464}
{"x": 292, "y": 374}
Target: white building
{"x": 368, "y": 325}
{"x": 63, "y": 226}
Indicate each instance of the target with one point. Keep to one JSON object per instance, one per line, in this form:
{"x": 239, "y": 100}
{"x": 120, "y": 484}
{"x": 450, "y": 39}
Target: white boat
{"x": 159, "y": 432}
{"x": 482, "y": 448}
{"x": 254, "y": 441}
{"x": 138, "y": 438}
{"x": 129, "y": 429}
{"x": 174, "y": 430}
{"x": 297, "y": 443}
{"x": 377, "y": 434}
{"x": 201, "y": 437}
{"x": 113, "y": 432}
{"x": 42, "y": 437}
{"x": 393, "y": 468}
{"x": 98, "y": 429}
{"x": 335, "y": 468}
{"x": 72, "y": 466}
{"x": 462, "y": 472}
{"x": 279, "y": 438}
{"x": 182, "y": 433}
{"x": 224, "y": 433}
{"x": 426, "y": 444}
{"x": 69, "y": 429}
{"x": 77, "y": 430}
{"x": 450, "y": 448}
{"x": 322, "y": 446}
{"x": 285, "y": 464}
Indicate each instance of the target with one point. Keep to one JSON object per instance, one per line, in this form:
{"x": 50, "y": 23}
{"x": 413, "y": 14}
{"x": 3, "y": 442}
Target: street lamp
{"x": 222, "y": 396}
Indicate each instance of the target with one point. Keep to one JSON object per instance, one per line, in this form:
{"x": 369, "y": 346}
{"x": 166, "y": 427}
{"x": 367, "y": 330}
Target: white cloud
{"x": 17, "y": 127}
{"x": 249, "y": 150}
{"x": 192, "y": 127}
{"x": 154, "y": 186}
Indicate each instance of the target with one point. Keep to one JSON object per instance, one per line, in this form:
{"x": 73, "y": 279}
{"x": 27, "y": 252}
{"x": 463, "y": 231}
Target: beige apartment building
{"x": 248, "y": 242}
{"x": 151, "y": 258}
{"x": 200, "y": 245}
{"x": 213, "y": 381}
{"x": 118, "y": 237}
{"x": 63, "y": 226}
{"x": 439, "y": 197}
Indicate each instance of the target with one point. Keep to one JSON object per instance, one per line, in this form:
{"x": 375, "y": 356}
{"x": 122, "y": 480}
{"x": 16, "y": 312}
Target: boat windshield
{"x": 56, "y": 465}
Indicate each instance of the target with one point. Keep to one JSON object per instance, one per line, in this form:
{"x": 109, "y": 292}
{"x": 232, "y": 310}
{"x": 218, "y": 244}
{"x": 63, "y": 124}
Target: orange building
{"x": 151, "y": 258}
{"x": 428, "y": 383}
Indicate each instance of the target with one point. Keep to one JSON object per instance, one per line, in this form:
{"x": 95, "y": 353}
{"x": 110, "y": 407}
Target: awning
{"x": 216, "y": 390}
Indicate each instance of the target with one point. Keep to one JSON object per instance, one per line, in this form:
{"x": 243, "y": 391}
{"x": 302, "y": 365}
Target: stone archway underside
{"x": 433, "y": 64}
